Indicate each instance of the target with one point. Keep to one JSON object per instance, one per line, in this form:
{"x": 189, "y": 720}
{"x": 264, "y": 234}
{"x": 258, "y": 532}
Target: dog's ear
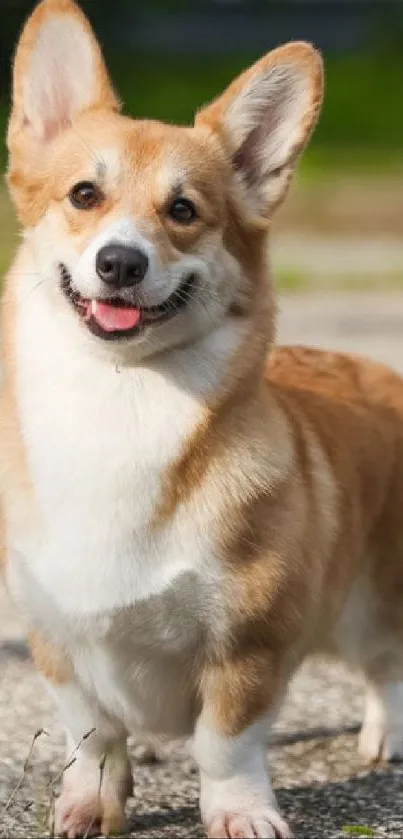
{"x": 265, "y": 118}
{"x": 59, "y": 72}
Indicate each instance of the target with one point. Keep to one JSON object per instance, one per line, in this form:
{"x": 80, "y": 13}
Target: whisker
{"x": 97, "y": 158}
{"x": 34, "y": 288}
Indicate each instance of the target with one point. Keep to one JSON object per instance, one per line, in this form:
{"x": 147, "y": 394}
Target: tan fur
{"x": 295, "y": 553}
{"x": 26, "y": 176}
{"x": 49, "y": 660}
{"x": 46, "y": 9}
{"x": 293, "y": 467}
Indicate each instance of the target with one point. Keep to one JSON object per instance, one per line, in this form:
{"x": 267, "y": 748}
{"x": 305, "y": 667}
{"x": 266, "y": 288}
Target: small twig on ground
{"x": 22, "y": 777}
{"x": 101, "y": 777}
{"x": 70, "y": 760}
{"x": 50, "y": 813}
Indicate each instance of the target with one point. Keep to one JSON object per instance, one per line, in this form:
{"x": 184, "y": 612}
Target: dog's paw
{"x": 381, "y": 735}
{"x": 370, "y": 742}
{"x": 77, "y": 817}
{"x": 263, "y": 823}
{"x": 375, "y": 744}
{"x": 392, "y": 747}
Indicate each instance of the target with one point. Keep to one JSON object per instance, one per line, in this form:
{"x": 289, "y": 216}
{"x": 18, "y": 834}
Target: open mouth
{"x": 114, "y": 318}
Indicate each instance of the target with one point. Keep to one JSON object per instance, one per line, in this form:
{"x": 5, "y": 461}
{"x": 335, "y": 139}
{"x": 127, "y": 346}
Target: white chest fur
{"x": 98, "y": 441}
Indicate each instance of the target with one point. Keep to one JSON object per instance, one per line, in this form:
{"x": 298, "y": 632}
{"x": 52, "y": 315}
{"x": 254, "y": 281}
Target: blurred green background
{"x": 342, "y": 224}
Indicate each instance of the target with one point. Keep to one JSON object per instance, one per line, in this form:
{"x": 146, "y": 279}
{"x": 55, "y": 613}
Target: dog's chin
{"x": 115, "y": 319}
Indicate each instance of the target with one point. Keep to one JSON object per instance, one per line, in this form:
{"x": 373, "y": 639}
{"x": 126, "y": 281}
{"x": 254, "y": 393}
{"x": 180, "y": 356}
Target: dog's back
{"x": 354, "y": 408}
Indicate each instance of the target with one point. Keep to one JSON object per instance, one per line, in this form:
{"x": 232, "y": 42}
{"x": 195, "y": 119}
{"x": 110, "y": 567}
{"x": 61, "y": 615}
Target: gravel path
{"x": 321, "y": 785}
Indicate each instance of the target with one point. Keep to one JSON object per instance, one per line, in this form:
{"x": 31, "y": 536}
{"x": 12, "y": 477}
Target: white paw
{"x": 264, "y": 823}
{"x": 370, "y": 742}
{"x": 381, "y": 736}
{"x": 375, "y": 743}
{"x": 77, "y": 817}
{"x": 392, "y": 748}
{"x": 87, "y": 816}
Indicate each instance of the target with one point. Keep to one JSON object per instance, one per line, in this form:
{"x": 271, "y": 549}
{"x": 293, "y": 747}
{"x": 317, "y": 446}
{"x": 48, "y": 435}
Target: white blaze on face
{"x": 160, "y": 280}
{"x": 123, "y": 231}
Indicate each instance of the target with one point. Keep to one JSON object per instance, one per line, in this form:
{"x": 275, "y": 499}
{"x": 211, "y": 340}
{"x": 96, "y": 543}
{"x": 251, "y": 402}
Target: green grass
{"x": 361, "y": 127}
{"x": 8, "y": 231}
{"x": 358, "y": 830}
{"x": 290, "y": 280}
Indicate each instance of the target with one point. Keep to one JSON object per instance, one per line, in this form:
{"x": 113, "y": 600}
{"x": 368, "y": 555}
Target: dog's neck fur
{"x": 210, "y": 368}
{"x": 115, "y": 434}
{"x": 162, "y": 398}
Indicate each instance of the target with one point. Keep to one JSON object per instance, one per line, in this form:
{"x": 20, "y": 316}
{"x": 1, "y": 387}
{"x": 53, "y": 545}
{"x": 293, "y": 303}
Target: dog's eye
{"x": 85, "y": 195}
{"x": 182, "y": 211}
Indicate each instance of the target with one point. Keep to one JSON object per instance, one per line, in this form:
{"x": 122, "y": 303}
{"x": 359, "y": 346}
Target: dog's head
{"x": 149, "y": 234}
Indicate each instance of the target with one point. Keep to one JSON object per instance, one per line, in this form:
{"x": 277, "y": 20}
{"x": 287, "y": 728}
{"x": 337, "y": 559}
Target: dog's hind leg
{"x": 381, "y": 735}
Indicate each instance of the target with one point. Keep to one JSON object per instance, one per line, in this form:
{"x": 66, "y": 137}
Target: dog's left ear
{"x": 59, "y": 72}
{"x": 265, "y": 118}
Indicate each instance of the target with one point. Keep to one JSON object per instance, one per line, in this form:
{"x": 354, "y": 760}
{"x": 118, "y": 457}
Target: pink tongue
{"x": 112, "y": 318}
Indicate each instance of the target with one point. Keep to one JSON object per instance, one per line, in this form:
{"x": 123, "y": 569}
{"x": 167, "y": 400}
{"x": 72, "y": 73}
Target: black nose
{"x": 120, "y": 266}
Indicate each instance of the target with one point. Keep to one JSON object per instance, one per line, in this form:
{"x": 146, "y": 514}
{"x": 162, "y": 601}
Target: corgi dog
{"x": 187, "y": 512}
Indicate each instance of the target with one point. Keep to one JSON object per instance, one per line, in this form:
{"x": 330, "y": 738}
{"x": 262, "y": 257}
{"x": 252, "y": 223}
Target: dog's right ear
{"x": 59, "y": 72}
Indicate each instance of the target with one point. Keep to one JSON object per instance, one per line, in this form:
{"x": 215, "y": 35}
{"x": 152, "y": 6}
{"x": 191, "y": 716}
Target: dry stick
{"x": 101, "y": 777}
{"x": 70, "y": 760}
{"x": 51, "y": 783}
{"x": 49, "y": 820}
{"x": 22, "y": 777}
{"x": 50, "y": 814}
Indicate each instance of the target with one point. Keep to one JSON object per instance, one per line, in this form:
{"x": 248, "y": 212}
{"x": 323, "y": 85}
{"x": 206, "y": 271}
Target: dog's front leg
{"x": 236, "y": 796}
{"x": 97, "y": 778}
{"x": 96, "y": 785}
